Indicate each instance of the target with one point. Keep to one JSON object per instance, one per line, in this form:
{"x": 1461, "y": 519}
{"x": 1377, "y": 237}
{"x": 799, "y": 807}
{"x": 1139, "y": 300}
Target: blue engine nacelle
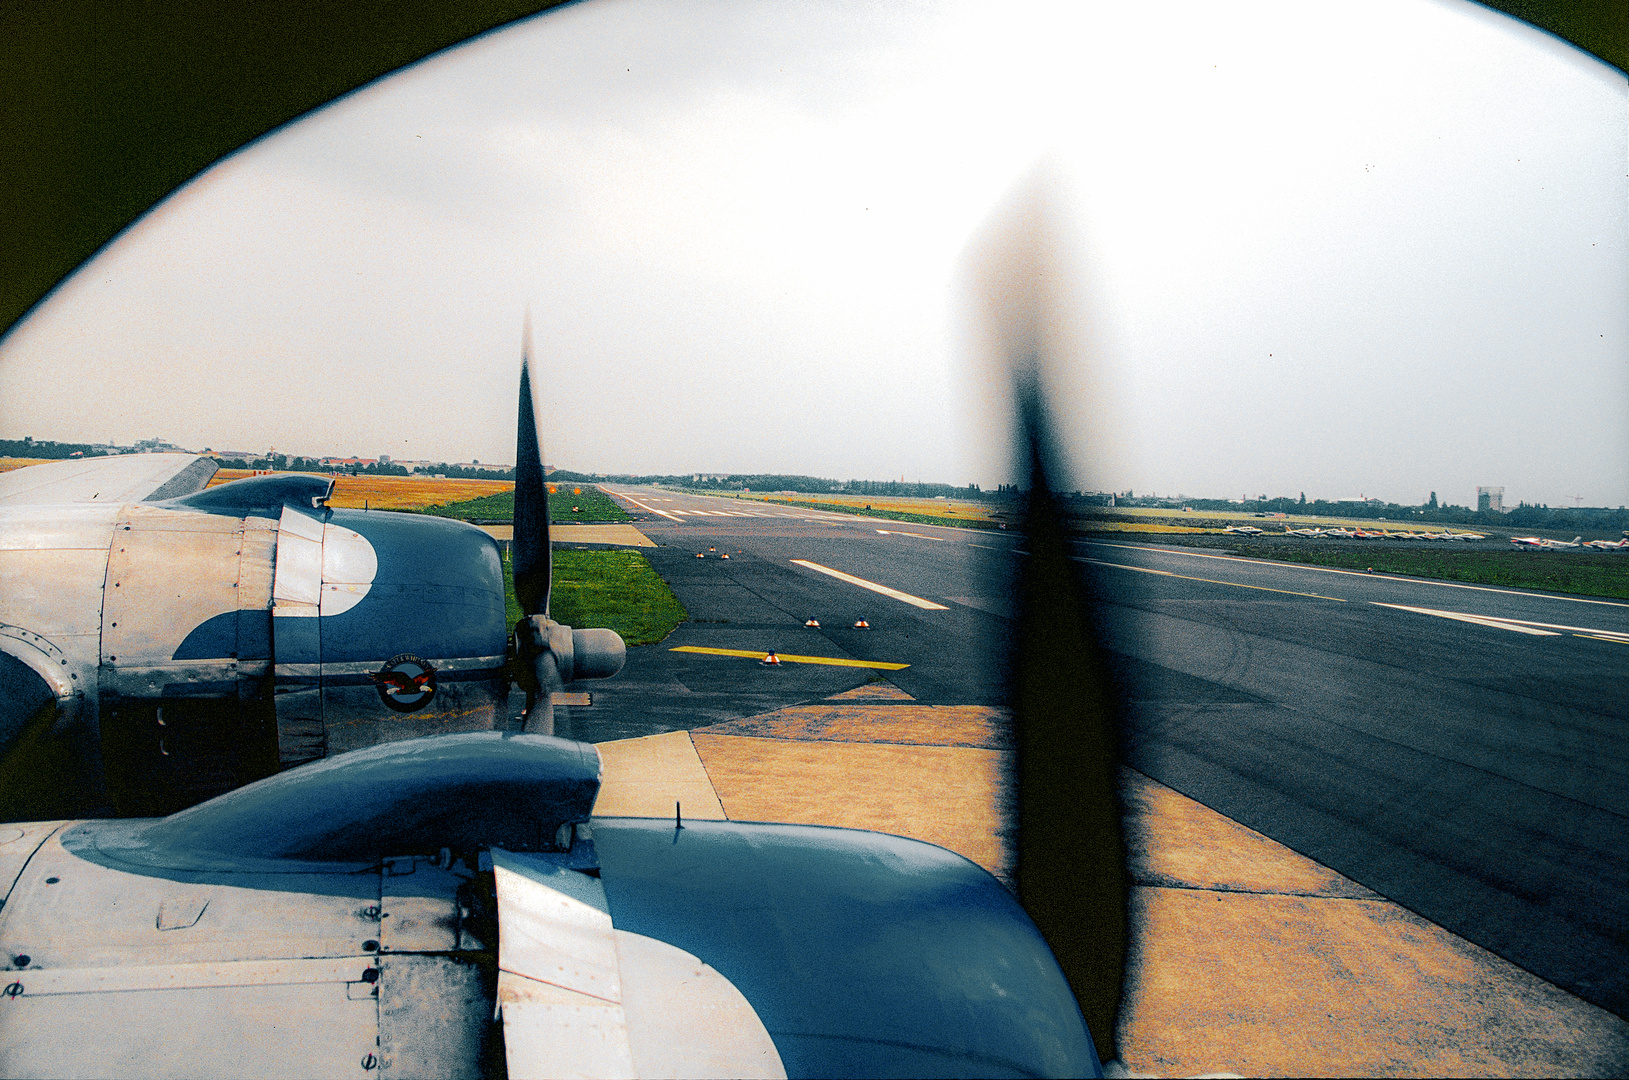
{"x": 199, "y": 643}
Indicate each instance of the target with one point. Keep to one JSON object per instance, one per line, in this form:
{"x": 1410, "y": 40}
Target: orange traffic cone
{"x": 770, "y": 661}
{"x": 724, "y": 555}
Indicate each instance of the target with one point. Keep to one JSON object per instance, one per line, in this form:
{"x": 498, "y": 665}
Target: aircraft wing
{"x": 124, "y": 479}
{"x": 444, "y": 906}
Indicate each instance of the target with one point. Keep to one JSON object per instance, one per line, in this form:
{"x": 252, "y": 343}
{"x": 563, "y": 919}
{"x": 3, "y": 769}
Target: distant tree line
{"x": 284, "y": 463}
{"x": 803, "y": 485}
{"x": 28, "y": 448}
{"x": 1523, "y": 516}
{"x": 461, "y": 472}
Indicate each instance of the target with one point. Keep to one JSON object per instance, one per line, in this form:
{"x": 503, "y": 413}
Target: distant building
{"x": 1490, "y": 498}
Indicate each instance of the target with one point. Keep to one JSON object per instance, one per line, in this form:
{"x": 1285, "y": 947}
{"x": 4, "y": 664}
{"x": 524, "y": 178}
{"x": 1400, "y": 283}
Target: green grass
{"x": 499, "y": 507}
{"x": 593, "y": 504}
{"x": 1591, "y": 573}
{"x": 615, "y": 589}
{"x": 886, "y": 515}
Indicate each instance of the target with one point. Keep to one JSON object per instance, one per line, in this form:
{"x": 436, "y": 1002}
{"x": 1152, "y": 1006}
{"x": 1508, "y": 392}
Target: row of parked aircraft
{"x": 1360, "y": 534}
{"x": 1577, "y": 543}
{"x": 1537, "y": 542}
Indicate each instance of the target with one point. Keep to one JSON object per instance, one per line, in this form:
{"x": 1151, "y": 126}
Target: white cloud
{"x": 1361, "y": 246}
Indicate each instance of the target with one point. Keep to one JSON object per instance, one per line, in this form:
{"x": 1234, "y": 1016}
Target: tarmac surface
{"x": 1456, "y": 750}
{"x": 1247, "y": 958}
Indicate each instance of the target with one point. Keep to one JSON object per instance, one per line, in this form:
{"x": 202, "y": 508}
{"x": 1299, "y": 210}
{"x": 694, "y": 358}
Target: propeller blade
{"x": 1071, "y": 868}
{"x": 1071, "y": 871}
{"x": 548, "y": 654}
{"x": 532, "y": 555}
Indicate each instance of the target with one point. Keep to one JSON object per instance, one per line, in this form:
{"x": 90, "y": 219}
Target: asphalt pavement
{"x": 1457, "y": 749}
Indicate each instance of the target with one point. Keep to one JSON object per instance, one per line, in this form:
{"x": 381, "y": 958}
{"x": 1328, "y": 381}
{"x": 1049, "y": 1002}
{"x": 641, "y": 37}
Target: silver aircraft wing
{"x": 127, "y": 478}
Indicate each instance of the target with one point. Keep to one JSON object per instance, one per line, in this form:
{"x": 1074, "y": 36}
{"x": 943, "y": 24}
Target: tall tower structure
{"x": 1490, "y": 498}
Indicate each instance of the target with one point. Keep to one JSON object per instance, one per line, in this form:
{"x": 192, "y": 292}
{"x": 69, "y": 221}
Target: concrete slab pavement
{"x": 1247, "y": 957}
{"x": 646, "y": 777}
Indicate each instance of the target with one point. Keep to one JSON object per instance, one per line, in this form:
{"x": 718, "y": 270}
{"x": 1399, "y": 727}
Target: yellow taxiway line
{"x": 919, "y": 536}
{"x": 787, "y": 658}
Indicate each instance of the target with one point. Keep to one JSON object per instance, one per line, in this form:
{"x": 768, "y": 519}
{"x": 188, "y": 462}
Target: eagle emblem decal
{"x": 406, "y": 682}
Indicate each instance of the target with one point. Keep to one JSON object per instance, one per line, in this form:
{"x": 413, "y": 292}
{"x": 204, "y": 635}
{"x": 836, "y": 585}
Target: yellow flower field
{"x": 946, "y": 508}
{"x": 394, "y": 492}
{"x": 1140, "y": 527}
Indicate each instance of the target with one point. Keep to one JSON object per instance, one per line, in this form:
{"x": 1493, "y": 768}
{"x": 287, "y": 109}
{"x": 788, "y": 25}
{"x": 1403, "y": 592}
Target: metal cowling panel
{"x": 296, "y": 641}
{"x": 167, "y": 573}
{"x": 297, "y": 583}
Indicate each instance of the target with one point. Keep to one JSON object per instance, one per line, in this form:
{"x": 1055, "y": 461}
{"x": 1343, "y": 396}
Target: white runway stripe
{"x": 642, "y": 506}
{"x": 1480, "y": 620}
{"x": 903, "y": 597}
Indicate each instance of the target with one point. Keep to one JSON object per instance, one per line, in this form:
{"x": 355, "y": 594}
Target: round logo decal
{"x": 406, "y": 683}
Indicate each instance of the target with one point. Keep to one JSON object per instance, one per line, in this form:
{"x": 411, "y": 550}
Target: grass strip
{"x": 1580, "y": 573}
{"x": 592, "y": 505}
{"x": 615, "y": 589}
{"x": 955, "y": 522}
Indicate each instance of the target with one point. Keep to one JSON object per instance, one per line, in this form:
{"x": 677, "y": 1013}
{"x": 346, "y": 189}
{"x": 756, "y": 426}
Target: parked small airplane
{"x": 1546, "y": 545}
{"x": 1243, "y": 530}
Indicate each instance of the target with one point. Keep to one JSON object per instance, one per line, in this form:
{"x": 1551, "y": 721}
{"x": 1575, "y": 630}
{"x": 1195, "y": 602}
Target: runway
{"x": 1457, "y": 749}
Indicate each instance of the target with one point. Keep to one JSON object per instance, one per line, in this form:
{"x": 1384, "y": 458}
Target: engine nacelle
{"x": 200, "y": 643}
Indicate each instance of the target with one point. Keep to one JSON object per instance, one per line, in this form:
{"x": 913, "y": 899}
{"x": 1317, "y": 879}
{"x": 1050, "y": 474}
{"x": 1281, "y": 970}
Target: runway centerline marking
{"x": 1353, "y": 573}
{"x": 787, "y": 658}
{"x": 1479, "y": 620}
{"x": 919, "y": 536}
{"x": 1557, "y": 626}
{"x": 642, "y": 506}
{"x": 903, "y": 597}
{"x": 1207, "y": 581}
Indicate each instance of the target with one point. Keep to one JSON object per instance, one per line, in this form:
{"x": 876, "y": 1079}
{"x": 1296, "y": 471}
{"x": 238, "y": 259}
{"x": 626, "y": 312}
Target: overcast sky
{"x": 1351, "y": 248}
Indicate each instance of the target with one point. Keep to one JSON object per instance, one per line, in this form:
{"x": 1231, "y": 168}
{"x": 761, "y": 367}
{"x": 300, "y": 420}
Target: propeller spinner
{"x": 549, "y": 653}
